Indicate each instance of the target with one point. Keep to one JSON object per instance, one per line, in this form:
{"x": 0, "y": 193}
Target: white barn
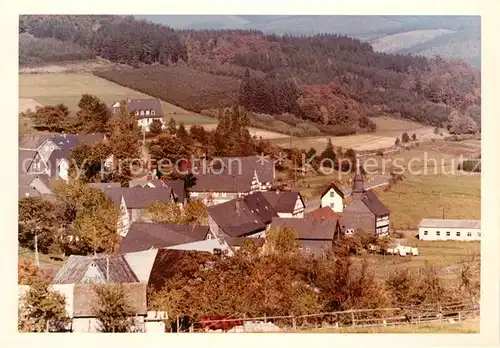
{"x": 445, "y": 229}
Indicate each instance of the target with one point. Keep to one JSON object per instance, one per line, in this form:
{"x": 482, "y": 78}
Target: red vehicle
{"x": 219, "y": 322}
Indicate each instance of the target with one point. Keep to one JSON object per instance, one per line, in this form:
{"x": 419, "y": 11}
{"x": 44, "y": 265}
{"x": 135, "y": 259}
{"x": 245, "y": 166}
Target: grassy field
{"x": 417, "y": 197}
{"x": 468, "y": 326}
{"x": 443, "y": 255}
{"x": 388, "y": 129}
{"x": 50, "y": 263}
{"x": 67, "y": 88}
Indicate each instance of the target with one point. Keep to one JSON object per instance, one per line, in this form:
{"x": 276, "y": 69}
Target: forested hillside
{"x": 328, "y": 79}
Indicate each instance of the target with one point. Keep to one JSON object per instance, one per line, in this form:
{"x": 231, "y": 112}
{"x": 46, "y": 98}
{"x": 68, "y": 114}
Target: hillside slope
{"x": 376, "y": 29}
{"x": 327, "y": 79}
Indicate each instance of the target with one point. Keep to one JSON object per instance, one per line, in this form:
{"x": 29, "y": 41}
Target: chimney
{"x": 278, "y": 191}
{"x": 238, "y": 205}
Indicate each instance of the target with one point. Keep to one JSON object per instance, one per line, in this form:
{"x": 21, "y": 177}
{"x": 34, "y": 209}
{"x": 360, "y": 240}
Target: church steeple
{"x": 358, "y": 188}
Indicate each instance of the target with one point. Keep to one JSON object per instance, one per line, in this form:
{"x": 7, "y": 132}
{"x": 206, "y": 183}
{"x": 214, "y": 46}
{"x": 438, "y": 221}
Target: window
{"x": 332, "y": 194}
{"x": 141, "y": 113}
{"x": 469, "y": 234}
{"x": 426, "y": 233}
{"x": 137, "y": 113}
{"x": 308, "y": 249}
{"x": 331, "y": 205}
{"x": 448, "y": 233}
{"x": 479, "y": 234}
{"x": 458, "y": 234}
{"x": 438, "y": 233}
{"x": 152, "y": 112}
{"x": 147, "y": 112}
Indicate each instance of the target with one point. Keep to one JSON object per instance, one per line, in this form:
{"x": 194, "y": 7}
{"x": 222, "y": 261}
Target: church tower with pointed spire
{"x": 358, "y": 188}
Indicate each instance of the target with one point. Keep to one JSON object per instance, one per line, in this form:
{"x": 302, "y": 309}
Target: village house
{"x": 326, "y": 213}
{"x": 314, "y": 236}
{"x": 288, "y": 204}
{"x": 446, "y": 229}
{"x": 143, "y": 236}
{"x": 145, "y": 110}
{"x": 226, "y": 178}
{"x": 99, "y": 269}
{"x": 248, "y": 216}
{"x": 333, "y": 197}
{"x": 251, "y": 215}
{"x": 132, "y": 201}
{"x": 81, "y": 303}
{"x": 365, "y": 212}
{"x": 44, "y": 158}
{"x": 178, "y": 187}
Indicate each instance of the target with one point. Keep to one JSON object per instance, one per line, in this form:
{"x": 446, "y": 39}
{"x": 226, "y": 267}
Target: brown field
{"x": 67, "y": 88}
{"x": 388, "y": 129}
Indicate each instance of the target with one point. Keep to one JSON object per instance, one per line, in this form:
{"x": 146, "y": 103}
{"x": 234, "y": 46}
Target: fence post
{"x": 244, "y": 324}
{"x": 459, "y": 316}
{"x": 294, "y": 323}
{"x": 353, "y": 320}
{"x": 439, "y": 311}
{"x": 177, "y": 327}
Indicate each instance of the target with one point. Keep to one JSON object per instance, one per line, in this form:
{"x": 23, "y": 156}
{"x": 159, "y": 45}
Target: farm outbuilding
{"x": 445, "y": 229}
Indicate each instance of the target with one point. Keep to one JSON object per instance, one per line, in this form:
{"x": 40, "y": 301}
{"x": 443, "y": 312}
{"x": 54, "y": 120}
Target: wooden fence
{"x": 382, "y": 317}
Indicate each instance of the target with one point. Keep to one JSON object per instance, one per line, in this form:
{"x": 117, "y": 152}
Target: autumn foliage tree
{"x": 41, "y": 309}
{"x": 50, "y": 118}
{"x": 113, "y": 310}
{"x": 91, "y": 216}
{"x": 93, "y": 114}
{"x": 37, "y": 217}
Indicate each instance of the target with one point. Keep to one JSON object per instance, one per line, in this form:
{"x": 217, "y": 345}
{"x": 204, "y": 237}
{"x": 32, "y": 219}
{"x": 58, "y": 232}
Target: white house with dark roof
{"x": 333, "y": 197}
{"x": 145, "y": 110}
{"x": 447, "y": 229}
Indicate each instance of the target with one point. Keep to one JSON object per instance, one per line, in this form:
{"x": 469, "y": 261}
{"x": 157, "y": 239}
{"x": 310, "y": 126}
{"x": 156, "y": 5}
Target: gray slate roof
{"x": 139, "y": 197}
{"x": 232, "y": 174}
{"x": 104, "y": 185}
{"x": 449, "y": 223}
{"x": 374, "y": 204}
{"x": 313, "y": 229}
{"x": 73, "y": 271}
{"x": 85, "y": 301}
{"x": 33, "y": 141}
{"x": 25, "y": 158}
{"x": 243, "y": 216}
{"x": 143, "y": 236}
{"x": 282, "y": 201}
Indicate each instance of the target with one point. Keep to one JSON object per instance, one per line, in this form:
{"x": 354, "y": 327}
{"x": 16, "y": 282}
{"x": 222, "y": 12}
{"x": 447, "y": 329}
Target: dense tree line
{"x": 47, "y": 50}
{"x": 326, "y": 78}
{"x": 119, "y": 39}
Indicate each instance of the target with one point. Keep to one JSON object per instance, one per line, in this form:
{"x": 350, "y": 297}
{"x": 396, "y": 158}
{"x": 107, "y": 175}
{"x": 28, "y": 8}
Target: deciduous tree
{"x": 93, "y": 114}
{"x": 164, "y": 212}
{"x": 41, "y": 308}
{"x": 195, "y": 211}
{"x": 113, "y": 309}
